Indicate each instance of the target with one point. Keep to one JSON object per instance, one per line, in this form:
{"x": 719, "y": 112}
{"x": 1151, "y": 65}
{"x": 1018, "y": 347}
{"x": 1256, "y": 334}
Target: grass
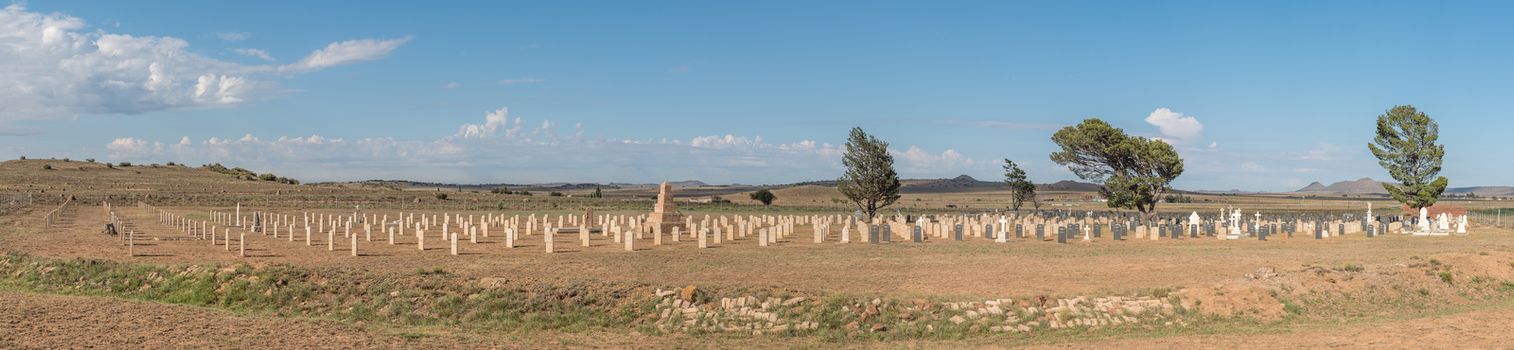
{"x": 434, "y": 299}
{"x": 1445, "y": 276}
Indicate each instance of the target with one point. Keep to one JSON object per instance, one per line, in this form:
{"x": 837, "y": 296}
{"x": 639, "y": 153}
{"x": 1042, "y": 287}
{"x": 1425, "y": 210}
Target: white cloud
{"x": 126, "y": 147}
{"x": 344, "y": 52}
{"x": 233, "y": 36}
{"x": 498, "y": 150}
{"x": 522, "y": 80}
{"x": 55, "y": 68}
{"x": 917, "y": 161}
{"x": 727, "y": 142}
{"x": 1251, "y": 166}
{"x": 453, "y": 85}
{"x": 1325, "y": 152}
{"x": 259, "y": 54}
{"x": 496, "y": 124}
{"x": 1175, "y": 127}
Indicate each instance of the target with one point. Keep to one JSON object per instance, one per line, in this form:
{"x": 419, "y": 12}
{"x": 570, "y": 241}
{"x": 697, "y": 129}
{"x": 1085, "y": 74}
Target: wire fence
{"x": 13, "y": 202}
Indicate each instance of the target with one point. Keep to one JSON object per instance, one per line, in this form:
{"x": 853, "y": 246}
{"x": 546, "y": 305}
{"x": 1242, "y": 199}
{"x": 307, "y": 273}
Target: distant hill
{"x": 1069, "y": 186}
{"x": 1364, "y": 185}
{"x": 1483, "y": 191}
{"x": 1370, "y": 186}
{"x": 959, "y": 183}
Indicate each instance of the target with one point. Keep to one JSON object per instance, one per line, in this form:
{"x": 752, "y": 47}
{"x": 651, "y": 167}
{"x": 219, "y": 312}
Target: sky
{"x": 1256, "y": 96}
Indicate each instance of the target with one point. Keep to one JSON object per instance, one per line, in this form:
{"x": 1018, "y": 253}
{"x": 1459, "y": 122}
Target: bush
{"x": 765, "y": 196}
{"x": 89, "y": 160}
{"x": 125, "y": 164}
{"x": 23, "y": 157}
{"x": 47, "y": 167}
{"x": 500, "y": 190}
{"x": 441, "y": 196}
{"x": 555, "y": 194}
{"x": 523, "y": 193}
{"x": 268, "y": 177}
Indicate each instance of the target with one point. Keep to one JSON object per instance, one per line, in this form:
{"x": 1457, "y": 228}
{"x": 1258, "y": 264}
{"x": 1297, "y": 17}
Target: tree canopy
{"x": 1020, "y": 187}
{"x": 1134, "y": 171}
{"x": 870, "y": 182}
{"x": 1405, "y": 146}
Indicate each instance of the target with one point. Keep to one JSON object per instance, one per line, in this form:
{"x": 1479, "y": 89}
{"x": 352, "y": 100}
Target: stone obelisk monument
{"x": 665, "y": 214}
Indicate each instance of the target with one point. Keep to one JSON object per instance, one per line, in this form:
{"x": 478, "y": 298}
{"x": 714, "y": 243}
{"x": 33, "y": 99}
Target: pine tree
{"x": 870, "y": 181}
{"x": 1405, "y": 146}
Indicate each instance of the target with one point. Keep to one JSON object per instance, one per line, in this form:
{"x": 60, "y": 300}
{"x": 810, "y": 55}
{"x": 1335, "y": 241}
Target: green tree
{"x": 1134, "y": 171}
{"x": 870, "y": 181}
{"x": 597, "y": 193}
{"x": 1020, "y": 188}
{"x": 764, "y": 196}
{"x": 1405, "y": 146}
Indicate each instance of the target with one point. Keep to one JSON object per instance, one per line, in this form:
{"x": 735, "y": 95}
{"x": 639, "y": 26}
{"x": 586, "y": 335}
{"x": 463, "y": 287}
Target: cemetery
{"x": 755, "y": 175}
{"x": 706, "y": 269}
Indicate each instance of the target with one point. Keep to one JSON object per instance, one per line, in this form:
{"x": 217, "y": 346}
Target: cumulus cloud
{"x": 126, "y": 147}
{"x": 256, "y": 53}
{"x": 57, "y": 68}
{"x": 1175, "y": 127}
{"x": 523, "y": 80}
{"x": 505, "y": 148}
{"x": 344, "y": 52}
{"x": 918, "y": 161}
{"x": 234, "y": 36}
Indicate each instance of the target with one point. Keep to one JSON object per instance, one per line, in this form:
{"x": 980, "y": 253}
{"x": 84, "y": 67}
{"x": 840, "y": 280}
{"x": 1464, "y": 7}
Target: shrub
{"x": 89, "y": 160}
{"x": 765, "y": 196}
{"x": 125, "y": 164}
{"x": 441, "y": 196}
{"x": 47, "y": 167}
{"x": 555, "y": 194}
{"x": 1445, "y": 276}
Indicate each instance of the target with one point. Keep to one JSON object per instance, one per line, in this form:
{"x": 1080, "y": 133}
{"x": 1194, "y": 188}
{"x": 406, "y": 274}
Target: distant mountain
{"x": 1364, "y": 185}
{"x": 961, "y": 183}
{"x": 1070, "y": 186}
{"x": 1483, "y": 191}
{"x": 1314, "y": 187}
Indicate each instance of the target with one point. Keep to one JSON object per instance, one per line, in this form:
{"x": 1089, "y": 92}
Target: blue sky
{"x": 1256, "y": 95}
